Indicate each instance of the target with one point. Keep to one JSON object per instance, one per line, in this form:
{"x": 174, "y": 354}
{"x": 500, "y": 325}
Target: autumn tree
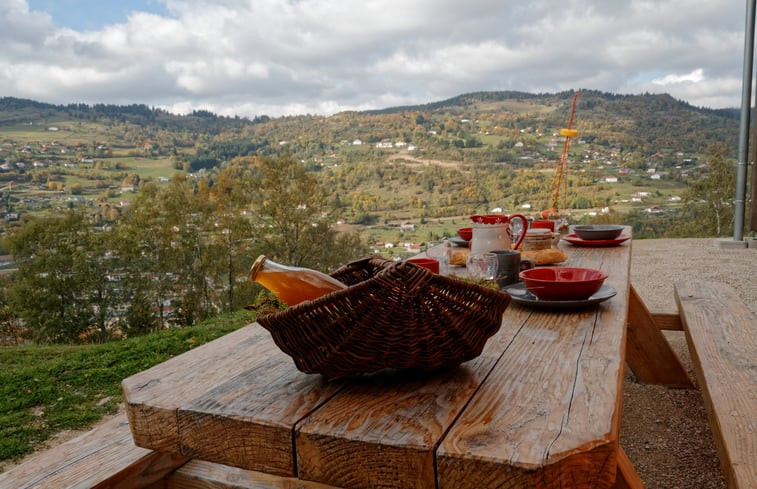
{"x": 293, "y": 208}
{"x": 234, "y": 239}
{"x": 164, "y": 253}
{"x": 710, "y": 199}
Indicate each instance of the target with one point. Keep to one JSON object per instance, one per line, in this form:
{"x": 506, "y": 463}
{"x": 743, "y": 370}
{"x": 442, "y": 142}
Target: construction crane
{"x": 560, "y": 179}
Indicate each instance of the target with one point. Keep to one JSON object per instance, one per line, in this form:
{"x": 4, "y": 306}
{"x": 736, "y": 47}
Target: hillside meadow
{"x": 45, "y": 389}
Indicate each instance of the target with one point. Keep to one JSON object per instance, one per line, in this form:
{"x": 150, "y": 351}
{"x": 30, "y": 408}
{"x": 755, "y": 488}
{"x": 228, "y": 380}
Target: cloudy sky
{"x": 280, "y": 57}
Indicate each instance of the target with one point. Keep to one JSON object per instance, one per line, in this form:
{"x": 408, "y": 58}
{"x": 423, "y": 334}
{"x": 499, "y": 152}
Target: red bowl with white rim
{"x": 562, "y": 283}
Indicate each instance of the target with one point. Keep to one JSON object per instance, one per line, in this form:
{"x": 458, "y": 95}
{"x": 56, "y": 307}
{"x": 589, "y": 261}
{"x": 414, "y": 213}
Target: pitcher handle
{"x": 525, "y": 228}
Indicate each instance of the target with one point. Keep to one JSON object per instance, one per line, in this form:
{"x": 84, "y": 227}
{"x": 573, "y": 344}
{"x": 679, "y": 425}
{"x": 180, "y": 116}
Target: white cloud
{"x": 695, "y": 76}
{"x": 321, "y": 56}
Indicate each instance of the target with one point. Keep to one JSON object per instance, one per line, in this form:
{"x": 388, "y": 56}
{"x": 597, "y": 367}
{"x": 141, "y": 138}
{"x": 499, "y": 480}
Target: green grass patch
{"x": 148, "y": 167}
{"x": 47, "y": 389}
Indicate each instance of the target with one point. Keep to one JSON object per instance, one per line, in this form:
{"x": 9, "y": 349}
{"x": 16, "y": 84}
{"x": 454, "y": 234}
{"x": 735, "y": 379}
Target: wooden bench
{"x": 103, "y": 457}
{"x": 722, "y": 337}
{"x": 106, "y": 457}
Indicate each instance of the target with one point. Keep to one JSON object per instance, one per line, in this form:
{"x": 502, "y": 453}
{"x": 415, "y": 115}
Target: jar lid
{"x": 538, "y": 232}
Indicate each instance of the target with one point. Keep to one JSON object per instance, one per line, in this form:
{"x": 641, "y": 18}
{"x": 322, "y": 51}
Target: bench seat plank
{"x": 103, "y": 457}
{"x": 722, "y": 338}
{"x": 198, "y": 474}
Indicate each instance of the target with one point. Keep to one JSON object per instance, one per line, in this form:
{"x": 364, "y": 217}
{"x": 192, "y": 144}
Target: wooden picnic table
{"x": 540, "y": 407}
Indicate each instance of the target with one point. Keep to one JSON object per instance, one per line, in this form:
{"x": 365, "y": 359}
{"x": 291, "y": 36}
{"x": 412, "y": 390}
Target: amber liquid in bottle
{"x": 292, "y": 285}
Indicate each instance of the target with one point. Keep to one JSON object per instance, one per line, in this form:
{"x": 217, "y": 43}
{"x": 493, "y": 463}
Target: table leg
{"x": 648, "y": 353}
{"x": 626, "y": 477}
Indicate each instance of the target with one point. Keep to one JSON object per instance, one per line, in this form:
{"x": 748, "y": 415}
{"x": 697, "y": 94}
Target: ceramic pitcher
{"x": 495, "y": 232}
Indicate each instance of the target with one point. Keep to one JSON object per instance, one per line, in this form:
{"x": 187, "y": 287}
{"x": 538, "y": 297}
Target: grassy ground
{"x": 47, "y": 389}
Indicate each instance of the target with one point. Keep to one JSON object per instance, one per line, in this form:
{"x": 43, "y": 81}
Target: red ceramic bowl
{"x": 465, "y": 233}
{"x": 562, "y": 283}
{"x": 430, "y": 263}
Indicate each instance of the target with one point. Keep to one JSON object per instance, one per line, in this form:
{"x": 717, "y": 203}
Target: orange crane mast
{"x": 560, "y": 179}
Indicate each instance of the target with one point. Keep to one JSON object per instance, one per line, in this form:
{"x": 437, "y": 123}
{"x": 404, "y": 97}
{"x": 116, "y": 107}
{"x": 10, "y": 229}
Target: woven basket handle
{"x": 403, "y": 275}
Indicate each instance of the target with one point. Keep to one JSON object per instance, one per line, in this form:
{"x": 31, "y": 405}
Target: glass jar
{"x": 537, "y": 239}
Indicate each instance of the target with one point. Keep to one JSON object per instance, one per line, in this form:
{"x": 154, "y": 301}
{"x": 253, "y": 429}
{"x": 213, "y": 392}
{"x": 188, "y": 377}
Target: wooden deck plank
{"x": 103, "y": 457}
{"x": 534, "y": 411}
{"x": 722, "y": 337}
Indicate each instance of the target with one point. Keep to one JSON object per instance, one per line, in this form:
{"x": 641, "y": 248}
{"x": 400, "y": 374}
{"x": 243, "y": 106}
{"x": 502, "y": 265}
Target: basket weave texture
{"x": 393, "y": 315}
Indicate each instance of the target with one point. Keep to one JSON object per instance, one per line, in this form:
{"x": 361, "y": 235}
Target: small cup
{"x": 543, "y": 224}
{"x": 430, "y": 263}
{"x": 510, "y": 264}
{"x": 482, "y": 265}
{"x": 440, "y": 253}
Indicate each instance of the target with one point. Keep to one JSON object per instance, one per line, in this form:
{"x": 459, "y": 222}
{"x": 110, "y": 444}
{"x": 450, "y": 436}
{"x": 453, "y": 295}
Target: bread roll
{"x": 459, "y": 257}
{"x": 544, "y": 257}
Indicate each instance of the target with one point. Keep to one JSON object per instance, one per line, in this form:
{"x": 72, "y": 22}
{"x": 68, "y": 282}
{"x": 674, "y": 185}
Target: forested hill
{"x": 18, "y": 111}
{"x": 643, "y": 123}
{"x": 638, "y": 122}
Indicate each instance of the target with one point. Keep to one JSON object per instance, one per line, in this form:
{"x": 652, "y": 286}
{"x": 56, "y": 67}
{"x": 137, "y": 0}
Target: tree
{"x": 163, "y": 250}
{"x": 234, "y": 240}
{"x": 290, "y": 204}
{"x": 712, "y": 197}
{"x": 61, "y": 286}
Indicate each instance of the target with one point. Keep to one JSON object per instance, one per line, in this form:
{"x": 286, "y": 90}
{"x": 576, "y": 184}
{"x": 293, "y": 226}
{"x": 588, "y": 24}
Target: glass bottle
{"x": 292, "y": 285}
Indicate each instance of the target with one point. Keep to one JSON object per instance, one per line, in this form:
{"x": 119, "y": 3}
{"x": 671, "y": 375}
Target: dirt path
{"x": 415, "y": 161}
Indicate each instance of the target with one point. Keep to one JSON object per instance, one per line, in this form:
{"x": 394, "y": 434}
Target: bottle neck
{"x": 262, "y": 263}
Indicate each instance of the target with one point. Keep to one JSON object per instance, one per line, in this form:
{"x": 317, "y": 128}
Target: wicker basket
{"x": 393, "y": 315}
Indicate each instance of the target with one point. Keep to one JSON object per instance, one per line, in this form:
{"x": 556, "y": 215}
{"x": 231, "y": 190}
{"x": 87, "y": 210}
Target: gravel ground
{"x": 665, "y": 431}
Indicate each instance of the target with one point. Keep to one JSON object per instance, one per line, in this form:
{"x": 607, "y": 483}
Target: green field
{"x": 147, "y": 167}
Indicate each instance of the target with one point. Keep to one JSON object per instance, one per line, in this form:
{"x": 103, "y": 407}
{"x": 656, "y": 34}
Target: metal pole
{"x": 746, "y": 107}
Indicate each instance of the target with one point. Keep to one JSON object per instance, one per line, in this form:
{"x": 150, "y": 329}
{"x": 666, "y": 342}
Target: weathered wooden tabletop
{"x": 540, "y": 407}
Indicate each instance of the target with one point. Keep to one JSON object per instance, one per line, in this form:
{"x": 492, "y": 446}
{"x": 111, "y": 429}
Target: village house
{"x": 407, "y": 226}
{"x": 413, "y": 247}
